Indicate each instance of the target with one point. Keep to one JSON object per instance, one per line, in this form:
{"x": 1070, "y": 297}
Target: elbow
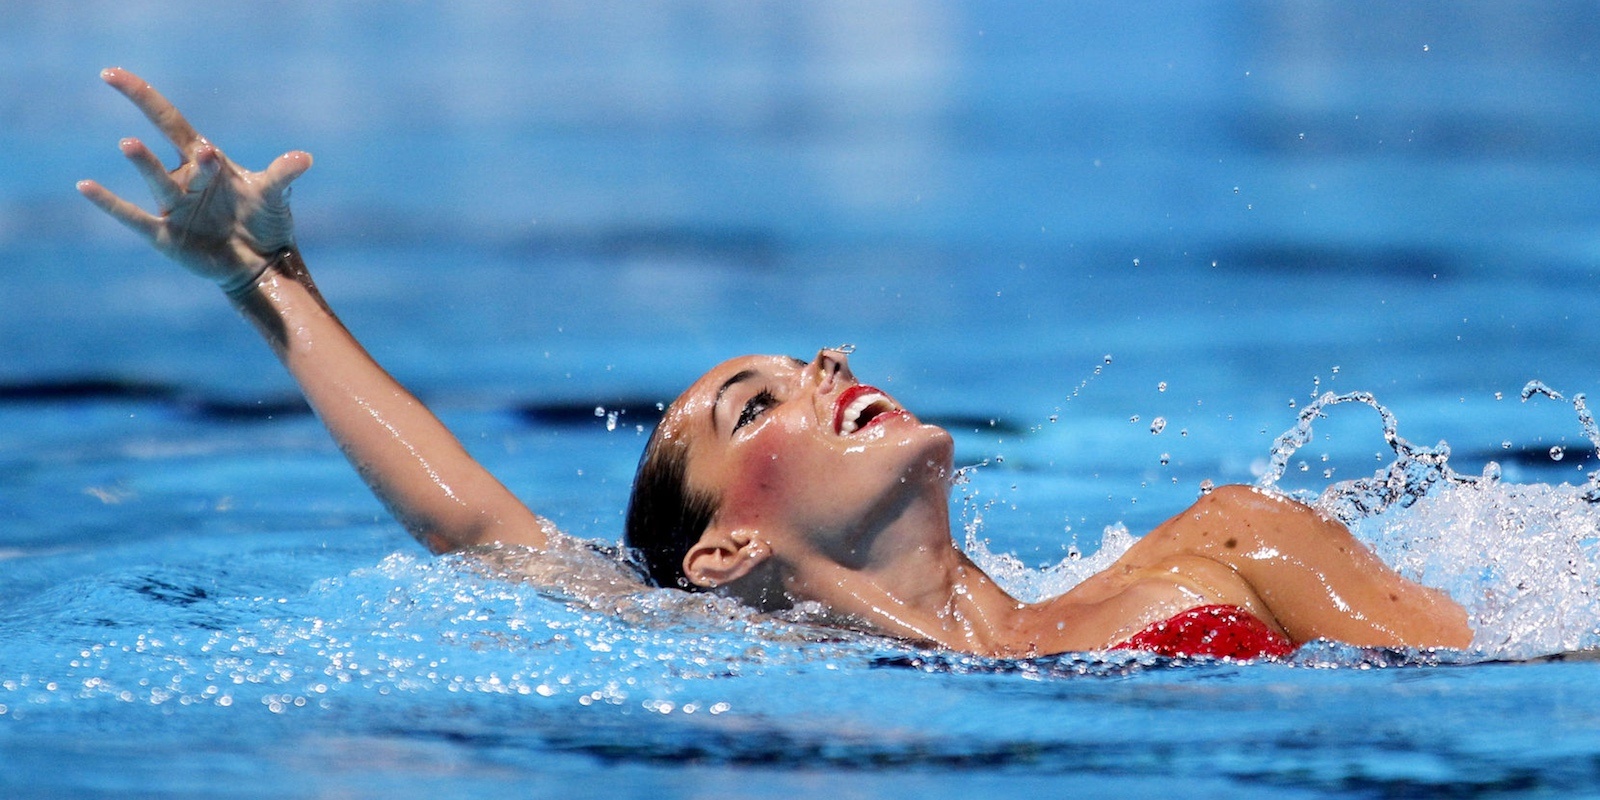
{"x": 437, "y": 543}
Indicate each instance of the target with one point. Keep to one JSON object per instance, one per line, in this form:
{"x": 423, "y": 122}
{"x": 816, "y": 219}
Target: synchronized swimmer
{"x": 778, "y": 480}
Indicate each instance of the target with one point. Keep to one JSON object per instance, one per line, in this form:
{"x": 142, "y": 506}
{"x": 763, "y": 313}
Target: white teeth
{"x": 851, "y": 420}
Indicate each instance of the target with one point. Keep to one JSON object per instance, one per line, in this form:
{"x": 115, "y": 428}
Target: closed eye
{"x": 754, "y": 407}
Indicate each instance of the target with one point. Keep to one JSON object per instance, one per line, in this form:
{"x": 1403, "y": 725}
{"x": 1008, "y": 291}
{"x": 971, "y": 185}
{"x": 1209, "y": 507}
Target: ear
{"x": 723, "y": 556}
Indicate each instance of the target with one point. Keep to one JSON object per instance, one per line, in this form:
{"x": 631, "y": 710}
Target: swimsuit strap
{"x": 1217, "y": 631}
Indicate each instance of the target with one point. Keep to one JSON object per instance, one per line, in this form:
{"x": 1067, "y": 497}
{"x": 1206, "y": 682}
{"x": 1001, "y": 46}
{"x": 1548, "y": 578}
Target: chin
{"x": 934, "y": 453}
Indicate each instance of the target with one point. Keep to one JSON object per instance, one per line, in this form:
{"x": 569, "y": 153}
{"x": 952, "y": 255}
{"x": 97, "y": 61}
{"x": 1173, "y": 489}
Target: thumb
{"x": 284, "y": 170}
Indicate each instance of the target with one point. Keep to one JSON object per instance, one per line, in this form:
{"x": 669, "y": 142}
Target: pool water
{"x": 1117, "y": 251}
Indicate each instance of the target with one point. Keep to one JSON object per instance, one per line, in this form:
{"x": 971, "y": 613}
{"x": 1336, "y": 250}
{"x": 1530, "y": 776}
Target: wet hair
{"x": 665, "y": 516}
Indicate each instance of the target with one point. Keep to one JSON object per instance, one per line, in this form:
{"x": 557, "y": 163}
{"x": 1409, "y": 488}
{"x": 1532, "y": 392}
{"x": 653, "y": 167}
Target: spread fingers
{"x": 156, "y": 108}
{"x": 136, "y": 218}
{"x": 152, "y": 170}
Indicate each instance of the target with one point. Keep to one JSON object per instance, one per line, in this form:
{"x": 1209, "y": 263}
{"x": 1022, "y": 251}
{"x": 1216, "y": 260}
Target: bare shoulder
{"x": 1239, "y": 499}
{"x": 1229, "y": 521}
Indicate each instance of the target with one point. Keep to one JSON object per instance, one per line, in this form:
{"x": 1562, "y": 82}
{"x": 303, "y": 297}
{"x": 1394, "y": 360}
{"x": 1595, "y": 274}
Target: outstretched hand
{"x": 219, "y": 221}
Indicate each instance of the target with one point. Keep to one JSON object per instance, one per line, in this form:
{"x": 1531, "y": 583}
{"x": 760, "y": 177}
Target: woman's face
{"x": 793, "y": 448}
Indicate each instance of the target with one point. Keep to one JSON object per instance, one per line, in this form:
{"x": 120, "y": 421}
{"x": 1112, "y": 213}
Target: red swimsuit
{"x": 1218, "y": 631}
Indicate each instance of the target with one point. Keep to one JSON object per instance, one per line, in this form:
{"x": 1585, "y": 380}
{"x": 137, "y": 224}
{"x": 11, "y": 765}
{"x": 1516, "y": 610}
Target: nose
{"x": 832, "y": 364}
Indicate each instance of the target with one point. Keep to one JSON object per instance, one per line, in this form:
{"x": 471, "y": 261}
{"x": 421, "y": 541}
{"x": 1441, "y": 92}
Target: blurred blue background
{"x": 1116, "y": 247}
{"x": 1241, "y": 203}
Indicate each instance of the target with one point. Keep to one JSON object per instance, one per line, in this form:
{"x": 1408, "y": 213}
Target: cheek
{"x": 760, "y": 477}
{"x": 773, "y": 472}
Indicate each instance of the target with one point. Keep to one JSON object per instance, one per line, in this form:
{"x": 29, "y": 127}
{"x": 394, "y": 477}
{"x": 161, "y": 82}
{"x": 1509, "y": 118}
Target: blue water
{"x": 1047, "y": 226}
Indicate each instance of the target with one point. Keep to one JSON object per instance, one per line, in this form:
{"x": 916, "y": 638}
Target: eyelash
{"x": 760, "y": 402}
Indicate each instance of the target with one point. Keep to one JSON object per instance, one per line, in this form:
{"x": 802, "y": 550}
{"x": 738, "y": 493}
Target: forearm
{"x": 404, "y": 453}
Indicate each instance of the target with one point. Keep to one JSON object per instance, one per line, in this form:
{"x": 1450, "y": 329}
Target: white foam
{"x": 1522, "y": 559}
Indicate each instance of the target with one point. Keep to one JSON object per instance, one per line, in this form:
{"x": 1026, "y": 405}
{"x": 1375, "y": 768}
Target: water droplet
{"x": 1166, "y": 458}
{"x": 1499, "y": 396}
{"x": 1557, "y": 453}
{"x": 1206, "y": 486}
{"x": 1235, "y": 190}
{"x": 599, "y": 411}
{"x": 1302, "y": 137}
{"x": 1134, "y": 418}
{"x": 1136, "y": 262}
{"x": 1158, "y": 425}
{"x": 1161, "y": 387}
{"x": 1505, "y": 444}
{"x": 1054, "y": 417}
{"x": 611, "y": 421}
{"x": 1183, "y": 432}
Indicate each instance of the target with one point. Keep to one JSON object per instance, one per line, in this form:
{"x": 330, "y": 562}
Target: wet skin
{"x": 860, "y": 523}
{"x": 764, "y": 436}
{"x": 854, "y": 516}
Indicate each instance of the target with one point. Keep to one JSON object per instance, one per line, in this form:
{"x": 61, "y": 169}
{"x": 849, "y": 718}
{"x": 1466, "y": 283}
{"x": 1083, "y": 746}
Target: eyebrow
{"x": 741, "y": 375}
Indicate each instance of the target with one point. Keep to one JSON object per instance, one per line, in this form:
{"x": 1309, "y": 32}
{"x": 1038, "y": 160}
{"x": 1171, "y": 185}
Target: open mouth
{"x": 860, "y": 406}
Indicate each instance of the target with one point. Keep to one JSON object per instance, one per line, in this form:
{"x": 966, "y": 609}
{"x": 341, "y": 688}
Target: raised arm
{"x": 233, "y": 227}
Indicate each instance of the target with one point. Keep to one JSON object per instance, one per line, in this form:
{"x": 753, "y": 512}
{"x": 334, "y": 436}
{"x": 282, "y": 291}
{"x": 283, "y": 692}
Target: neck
{"x": 913, "y": 583}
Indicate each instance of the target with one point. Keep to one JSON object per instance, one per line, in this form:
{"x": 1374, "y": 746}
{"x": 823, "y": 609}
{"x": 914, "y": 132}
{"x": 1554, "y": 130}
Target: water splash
{"x": 1416, "y": 469}
{"x": 1524, "y": 560}
{"x": 1105, "y": 361}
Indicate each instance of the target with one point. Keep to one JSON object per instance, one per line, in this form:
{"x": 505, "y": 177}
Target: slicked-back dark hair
{"x": 665, "y": 516}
